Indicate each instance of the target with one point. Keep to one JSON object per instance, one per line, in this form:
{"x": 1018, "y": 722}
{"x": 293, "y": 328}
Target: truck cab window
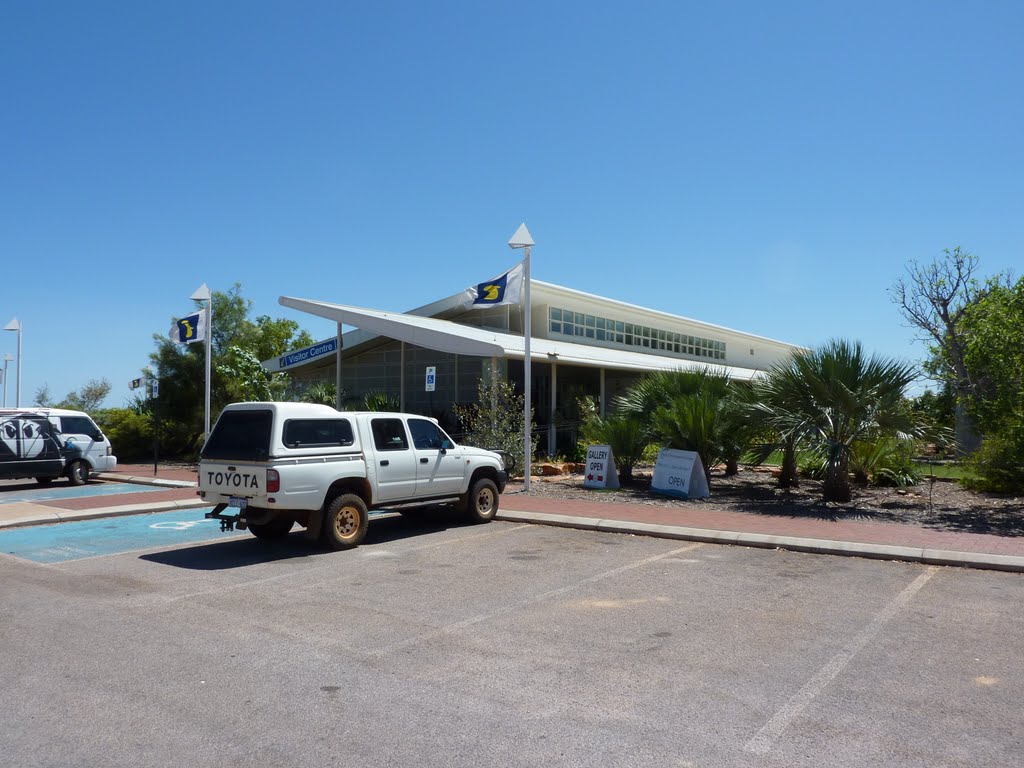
{"x": 389, "y": 435}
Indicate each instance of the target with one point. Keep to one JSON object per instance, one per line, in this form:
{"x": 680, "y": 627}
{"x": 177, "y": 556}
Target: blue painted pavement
{"x": 75, "y": 492}
{"x": 109, "y": 536}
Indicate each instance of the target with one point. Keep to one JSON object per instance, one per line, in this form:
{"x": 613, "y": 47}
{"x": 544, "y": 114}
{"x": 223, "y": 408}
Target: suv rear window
{"x": 241, "y": 436}
{"x": 313, "y": 433}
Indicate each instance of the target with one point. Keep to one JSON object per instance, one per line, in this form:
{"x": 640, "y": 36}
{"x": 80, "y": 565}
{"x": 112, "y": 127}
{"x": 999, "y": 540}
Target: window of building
{"x": 578, "y": 325}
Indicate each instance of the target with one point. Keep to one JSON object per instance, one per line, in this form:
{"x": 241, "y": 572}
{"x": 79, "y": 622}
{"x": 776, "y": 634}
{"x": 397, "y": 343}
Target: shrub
{"x": 885, "y": 461}
{"x": 495, "y": 423}
{"x": 997, "y": 465}
{"x": 380, "y": 401}
{"x": 130, "y": 433}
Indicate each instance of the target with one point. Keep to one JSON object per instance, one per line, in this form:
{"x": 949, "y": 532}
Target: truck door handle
{"x": 385, "y": 463}
{"x": 424, "y": 461}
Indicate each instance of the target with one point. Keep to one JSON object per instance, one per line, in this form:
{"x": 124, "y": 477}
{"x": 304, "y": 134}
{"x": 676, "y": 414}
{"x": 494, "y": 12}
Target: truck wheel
{"x": 345, "y": 522}
{"x": 482, "y": 503}
{"x": 276, "y": 529}
{"x": 78, "y": 472}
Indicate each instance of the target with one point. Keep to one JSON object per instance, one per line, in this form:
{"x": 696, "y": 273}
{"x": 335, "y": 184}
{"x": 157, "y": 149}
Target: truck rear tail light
{"x": 273, "y": 481}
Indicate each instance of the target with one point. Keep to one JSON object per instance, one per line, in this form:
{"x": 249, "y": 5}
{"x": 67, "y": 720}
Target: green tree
{"x": 994, "y": 356}
{"x": 238, "y": 344}
{"x": 993, "y": 329}
{"x": 836, "y": 396}
{"x": 89, "y": 398}
{"x": 246, "y": 380}
{"x": 43, "y": 398}
{"x": 934, "y": 298}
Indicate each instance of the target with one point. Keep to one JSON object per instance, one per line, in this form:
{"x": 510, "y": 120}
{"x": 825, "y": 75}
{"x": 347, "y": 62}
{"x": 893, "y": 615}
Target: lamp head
{"x": 202, "y": 293}
{"x": 522, "y": 238}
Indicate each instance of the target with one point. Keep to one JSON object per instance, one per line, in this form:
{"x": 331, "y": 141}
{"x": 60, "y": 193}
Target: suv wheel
{"x": 482, "y": 503}
{"x": 78, "y": 472}
{"x": 346, "y": 522}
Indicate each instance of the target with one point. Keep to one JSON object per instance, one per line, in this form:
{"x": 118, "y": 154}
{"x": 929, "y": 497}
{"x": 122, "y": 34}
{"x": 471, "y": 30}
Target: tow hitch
{"x": 227, "y": 522}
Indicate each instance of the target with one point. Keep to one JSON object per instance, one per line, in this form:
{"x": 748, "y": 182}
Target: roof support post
{"x": 337, "y": 374}
{"x": 401, "y": 376}
{"x": 552, "y": 435}
{"x": 604, "y": 410}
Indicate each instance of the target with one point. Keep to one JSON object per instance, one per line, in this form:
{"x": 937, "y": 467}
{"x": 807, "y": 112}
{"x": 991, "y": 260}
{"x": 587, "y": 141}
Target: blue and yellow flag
{"x": 504, "y": 289}
{"x": 189, "y": 329}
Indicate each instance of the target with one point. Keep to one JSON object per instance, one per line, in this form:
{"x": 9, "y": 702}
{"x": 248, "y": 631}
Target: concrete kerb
{"x": 51, "y": 516}
{"x": 138, "y": 480}
{"x": 978, "y": 560}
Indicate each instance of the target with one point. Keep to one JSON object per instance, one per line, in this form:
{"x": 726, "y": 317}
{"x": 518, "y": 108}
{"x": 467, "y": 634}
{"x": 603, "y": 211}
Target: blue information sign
{"x": 309, "y": 353}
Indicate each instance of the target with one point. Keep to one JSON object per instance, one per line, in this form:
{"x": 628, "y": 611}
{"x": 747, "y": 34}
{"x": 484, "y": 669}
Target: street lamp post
{"x": 7, "y": 358}
{"x": 15, "y": 325}
{"x": 523, "y": 239}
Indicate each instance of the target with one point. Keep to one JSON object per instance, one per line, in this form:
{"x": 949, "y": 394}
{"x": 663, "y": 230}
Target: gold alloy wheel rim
{"x": 346, "y": 522}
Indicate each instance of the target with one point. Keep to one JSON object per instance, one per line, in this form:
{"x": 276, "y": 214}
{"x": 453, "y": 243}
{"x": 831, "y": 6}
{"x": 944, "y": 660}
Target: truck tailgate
{"x": 232, "y": 479}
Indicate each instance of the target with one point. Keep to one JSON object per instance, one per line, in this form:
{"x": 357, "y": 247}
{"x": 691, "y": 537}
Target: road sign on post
{"x": 431, "y": 378}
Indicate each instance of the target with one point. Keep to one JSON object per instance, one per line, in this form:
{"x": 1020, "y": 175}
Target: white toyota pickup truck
{"x": 267, "y": 466}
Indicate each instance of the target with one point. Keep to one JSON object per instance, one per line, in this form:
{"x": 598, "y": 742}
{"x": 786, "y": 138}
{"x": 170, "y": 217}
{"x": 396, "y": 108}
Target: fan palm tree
{"x": 692, "y": 411}
{"x": 765, "y": 398}
{"x": 835, "y": 395}
{"x": 697, "y": 423}
{"x": 659, "y": 388}
{"x": 322, "y": 392}
{"x": 627, "y": 436}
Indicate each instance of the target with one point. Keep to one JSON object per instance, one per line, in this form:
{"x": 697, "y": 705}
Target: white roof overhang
{"x": 446, "y": 336}
{"x": 429, "y": 332}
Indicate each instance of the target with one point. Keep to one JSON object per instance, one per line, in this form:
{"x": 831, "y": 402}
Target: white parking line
{"x": 450, "y": 628}
{"x": 765, "y": 739}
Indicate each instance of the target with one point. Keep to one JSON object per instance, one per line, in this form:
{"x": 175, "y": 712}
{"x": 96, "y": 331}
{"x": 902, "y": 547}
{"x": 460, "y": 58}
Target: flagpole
{"x": 523, "y": 239}
{"x": 209, "y": 344}
{"x": 527, "y": 384}
{"x": 202, "y": 293}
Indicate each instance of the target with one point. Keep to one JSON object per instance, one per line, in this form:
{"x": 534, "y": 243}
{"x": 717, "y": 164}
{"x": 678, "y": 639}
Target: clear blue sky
{"x": 769, "y": 167}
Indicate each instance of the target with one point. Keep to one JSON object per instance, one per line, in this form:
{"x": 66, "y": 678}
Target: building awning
{"x": 447, "y": 336}
{"x": 428, "y": 332}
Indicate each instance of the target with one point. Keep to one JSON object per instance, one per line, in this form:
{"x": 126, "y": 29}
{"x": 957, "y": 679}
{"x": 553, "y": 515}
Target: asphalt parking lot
{"x": 437, "y": 644}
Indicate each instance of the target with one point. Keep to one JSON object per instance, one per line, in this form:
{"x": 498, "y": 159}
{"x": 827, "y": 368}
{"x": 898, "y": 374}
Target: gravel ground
{"x": 941, "y": 504}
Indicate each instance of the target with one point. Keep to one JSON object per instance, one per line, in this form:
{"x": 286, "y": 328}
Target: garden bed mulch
{"x": 937, "y": 504}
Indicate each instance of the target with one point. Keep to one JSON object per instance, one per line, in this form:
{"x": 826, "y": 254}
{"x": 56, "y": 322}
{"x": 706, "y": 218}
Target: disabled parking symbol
{"x": 179, "y": 525}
